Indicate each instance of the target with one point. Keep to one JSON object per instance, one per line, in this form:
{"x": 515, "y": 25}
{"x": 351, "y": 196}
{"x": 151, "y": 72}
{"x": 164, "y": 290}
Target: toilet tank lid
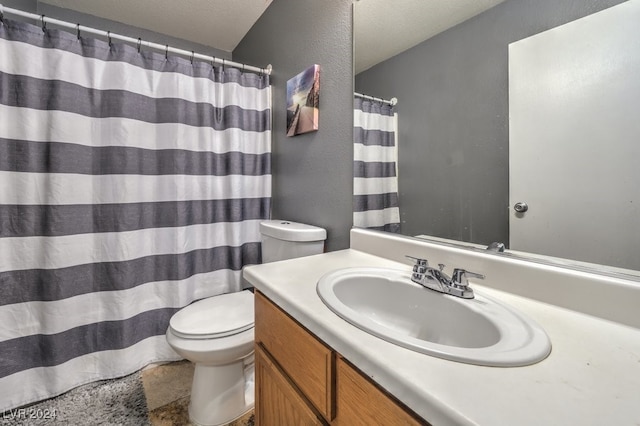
{"x": 292, "y": 231}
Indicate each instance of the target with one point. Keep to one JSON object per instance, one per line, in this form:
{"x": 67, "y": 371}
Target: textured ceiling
{"x": 218, "y": 23}
{"x": 382, "y": 28}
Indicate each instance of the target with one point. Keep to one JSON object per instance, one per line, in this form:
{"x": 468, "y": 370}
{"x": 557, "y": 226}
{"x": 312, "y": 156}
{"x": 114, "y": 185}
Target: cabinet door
{"x": 304, "y": 358}
{"x": 277, "y": 401}
{"x": 360, "y": 402}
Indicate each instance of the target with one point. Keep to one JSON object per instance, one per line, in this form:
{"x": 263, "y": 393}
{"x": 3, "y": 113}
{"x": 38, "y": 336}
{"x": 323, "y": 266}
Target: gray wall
{"x": 34, "y": 6}
{"x": 454, "y": 118}
{"x": 312, "y": 173}
{"x": 30, "y": 6}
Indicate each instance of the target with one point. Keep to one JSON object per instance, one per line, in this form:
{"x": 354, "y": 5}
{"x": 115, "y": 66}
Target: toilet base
{"x": 218, "y": 393}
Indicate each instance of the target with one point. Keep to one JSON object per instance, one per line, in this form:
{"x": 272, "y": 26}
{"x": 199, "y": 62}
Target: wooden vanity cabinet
{"x": 301, "y": 381}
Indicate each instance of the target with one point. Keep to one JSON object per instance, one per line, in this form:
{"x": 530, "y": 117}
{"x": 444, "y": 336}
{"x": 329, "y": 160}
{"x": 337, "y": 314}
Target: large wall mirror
{"x": 462, "y": 102}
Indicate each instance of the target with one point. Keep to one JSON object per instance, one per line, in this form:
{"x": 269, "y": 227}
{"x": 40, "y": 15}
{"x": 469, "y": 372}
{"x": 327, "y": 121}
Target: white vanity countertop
{"x": 591, "y": 377}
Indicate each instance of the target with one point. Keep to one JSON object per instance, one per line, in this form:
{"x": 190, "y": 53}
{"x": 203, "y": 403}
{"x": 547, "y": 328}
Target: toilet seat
{"x": 215, "y": 317}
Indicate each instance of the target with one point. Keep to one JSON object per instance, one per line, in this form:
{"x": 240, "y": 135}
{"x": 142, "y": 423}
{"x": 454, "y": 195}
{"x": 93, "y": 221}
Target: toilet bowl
{"x": 217, "y": 335}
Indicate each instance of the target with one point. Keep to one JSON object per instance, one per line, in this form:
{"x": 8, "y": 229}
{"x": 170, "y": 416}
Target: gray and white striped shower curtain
{"x": 375, "y": 180}
{"x": 130, "y": 185}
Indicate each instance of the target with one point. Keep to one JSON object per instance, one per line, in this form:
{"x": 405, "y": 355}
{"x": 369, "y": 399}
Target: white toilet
{"x": 216, "y": 333}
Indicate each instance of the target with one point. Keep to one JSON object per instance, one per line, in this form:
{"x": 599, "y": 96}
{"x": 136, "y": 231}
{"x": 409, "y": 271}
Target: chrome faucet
{"x": 435, "y": 279}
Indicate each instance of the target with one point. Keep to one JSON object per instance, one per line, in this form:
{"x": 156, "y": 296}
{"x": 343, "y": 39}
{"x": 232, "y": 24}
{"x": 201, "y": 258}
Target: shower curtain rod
{"x": 392, "y": 102}
{"x": 139, "y": 42}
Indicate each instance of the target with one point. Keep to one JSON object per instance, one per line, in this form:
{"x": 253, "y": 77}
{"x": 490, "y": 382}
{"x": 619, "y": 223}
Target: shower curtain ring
{"x": 166, "y": 52}
{"x": 192, "y": 54}
{"x": 139, "y": 44}
{"x": 44, "y": 24}
{"x": 78, "y": 31}
{"x": 109, "y": 38}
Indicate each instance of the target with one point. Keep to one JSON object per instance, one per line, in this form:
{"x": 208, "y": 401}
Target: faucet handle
{"x": 459, "y": 277}
{"x": 418, "y": 261}
{"x": 420, "y": 266}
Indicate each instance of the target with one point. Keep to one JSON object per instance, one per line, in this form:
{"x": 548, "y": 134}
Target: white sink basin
{"x": 387, "y": 304}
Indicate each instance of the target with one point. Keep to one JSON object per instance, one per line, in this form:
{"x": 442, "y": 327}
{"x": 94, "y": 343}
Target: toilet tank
{"x": 282, "y": 239}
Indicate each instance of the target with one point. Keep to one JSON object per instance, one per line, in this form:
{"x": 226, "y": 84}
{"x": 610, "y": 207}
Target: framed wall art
{"x": 303, "y": 92}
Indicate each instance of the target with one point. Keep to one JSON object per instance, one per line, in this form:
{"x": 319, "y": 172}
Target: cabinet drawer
{"x": 361, "y": 402}
{"x": 307, "y": 361}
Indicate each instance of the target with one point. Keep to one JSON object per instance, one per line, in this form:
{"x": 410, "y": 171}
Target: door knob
{"x": 520, "y": 207}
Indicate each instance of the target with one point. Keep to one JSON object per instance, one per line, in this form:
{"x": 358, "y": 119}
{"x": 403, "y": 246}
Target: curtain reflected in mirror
{"x": 375, "y": 165}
